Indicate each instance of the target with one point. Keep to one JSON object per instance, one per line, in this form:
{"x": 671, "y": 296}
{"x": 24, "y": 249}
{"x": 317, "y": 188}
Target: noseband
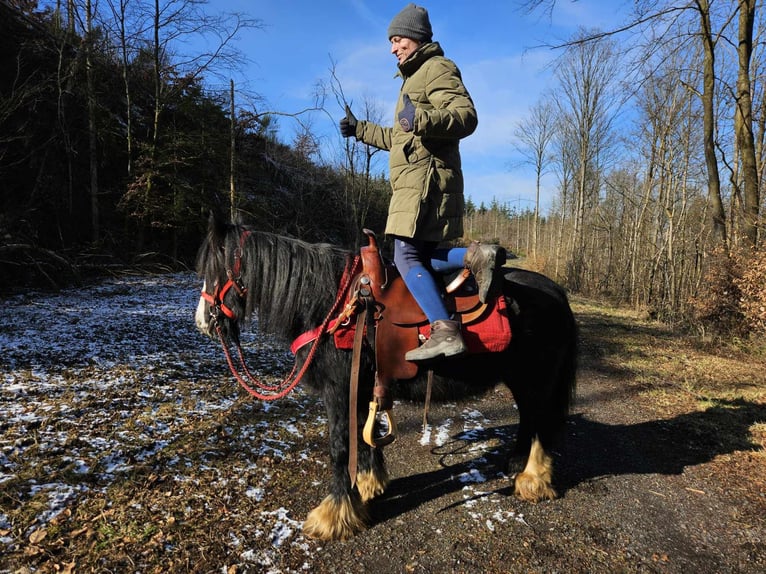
{"x": 234, "y": 281}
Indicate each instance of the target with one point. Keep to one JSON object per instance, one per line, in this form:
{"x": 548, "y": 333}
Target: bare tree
{"x": 92, "y": 127}
{"x": 129, "y": 24}
{"x": 665, "y": 228}
{"x": 759, "y": 104}
{"x": 564, "y": 165}
{"x": 709, "y": 40}
{"x": 533, "y": 138}
{"x": 743, "y": 121}
{"x": 712, "y": 27}
{"x": 359, "y": 159}
{"x": 586, "y": 75}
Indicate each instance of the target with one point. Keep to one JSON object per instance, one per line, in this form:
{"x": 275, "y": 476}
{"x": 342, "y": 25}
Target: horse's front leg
{"x": 342, "y": 514}
{"x": 372, "y": 477}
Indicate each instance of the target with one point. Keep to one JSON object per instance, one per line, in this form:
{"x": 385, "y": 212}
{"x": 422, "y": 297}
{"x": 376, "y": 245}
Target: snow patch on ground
{"x": 121, "y": 369}
{"x": 99, "y": 382}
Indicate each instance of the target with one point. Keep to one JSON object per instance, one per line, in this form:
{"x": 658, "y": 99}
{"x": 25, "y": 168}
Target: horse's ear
{"x": 216, "y": 226}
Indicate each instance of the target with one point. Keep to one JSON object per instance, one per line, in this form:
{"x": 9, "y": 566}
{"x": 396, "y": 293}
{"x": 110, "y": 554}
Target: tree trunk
{"x": 122, "y": 16}
{"x": 92, "y": 133}
{"x": 232, "y": 158}
{"x": 708, "y": 124}
{"x": 743, "y": 123}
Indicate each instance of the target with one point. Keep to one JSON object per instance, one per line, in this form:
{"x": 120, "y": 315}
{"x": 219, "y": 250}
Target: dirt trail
{"x": 637, "y": 495}
{"x": 642, "y": 490}
{"x": 146, "y": 458}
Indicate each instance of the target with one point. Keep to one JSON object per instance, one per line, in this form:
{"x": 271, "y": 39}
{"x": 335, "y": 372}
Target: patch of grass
{"x": 677, "y": 375}
{"x": 672, "y": 369}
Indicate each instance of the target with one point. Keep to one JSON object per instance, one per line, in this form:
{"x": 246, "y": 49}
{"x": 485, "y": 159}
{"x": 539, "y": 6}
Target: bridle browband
{"x": 218, "y": 307}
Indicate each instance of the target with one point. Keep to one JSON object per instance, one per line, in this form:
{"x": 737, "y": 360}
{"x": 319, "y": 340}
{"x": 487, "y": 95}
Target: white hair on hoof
{"x": 371, "y": 484}
{"x": 336, "y": 519}
{"x": 534, "y": 483}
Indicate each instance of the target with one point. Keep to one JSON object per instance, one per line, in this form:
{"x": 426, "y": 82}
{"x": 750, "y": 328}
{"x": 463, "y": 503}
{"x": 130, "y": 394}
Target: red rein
{"x": 263, "y": 391}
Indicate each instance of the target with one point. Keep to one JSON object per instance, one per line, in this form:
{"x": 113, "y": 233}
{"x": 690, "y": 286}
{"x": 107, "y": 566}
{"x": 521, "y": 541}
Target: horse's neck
{"x": 295, "y": 295}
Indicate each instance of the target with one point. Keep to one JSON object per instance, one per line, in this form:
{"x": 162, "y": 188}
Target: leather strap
{"x": 429, "y": 388}
{"x": 458, "y": 281}
{"x": 353, "y": 394}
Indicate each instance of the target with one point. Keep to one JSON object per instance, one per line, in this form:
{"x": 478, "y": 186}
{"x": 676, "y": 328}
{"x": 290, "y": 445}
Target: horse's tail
{"x": 568, "y": 376}
{"x": 549, "y": 350}
{"x": 565, "y": 385}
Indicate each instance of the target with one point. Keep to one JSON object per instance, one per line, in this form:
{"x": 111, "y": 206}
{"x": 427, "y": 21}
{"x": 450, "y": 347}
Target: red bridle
{"x": 216, "y": 299}
{"x": 217, "y": 306}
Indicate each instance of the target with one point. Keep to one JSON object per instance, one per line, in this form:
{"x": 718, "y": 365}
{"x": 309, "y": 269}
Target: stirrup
{"x": 368, "y": 433}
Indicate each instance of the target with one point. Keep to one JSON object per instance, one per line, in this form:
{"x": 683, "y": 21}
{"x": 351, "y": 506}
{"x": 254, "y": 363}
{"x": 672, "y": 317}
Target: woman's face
{"x": 402, "y": 47}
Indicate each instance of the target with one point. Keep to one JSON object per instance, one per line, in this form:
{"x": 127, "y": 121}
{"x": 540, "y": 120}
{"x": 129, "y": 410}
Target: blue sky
{"x": 495, "y": 46}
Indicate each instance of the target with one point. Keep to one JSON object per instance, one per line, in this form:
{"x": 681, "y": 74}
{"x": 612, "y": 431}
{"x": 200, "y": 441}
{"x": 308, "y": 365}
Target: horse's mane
{"x": 291, "y": 284}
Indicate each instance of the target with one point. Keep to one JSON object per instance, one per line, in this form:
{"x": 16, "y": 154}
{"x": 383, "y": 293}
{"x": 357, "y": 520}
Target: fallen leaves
{"x": 68, "y": 568}
{"x": 38, "y": 536}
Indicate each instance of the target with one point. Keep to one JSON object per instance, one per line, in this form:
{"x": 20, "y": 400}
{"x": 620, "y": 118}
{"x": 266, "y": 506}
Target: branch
{"x": 614, "y": 32}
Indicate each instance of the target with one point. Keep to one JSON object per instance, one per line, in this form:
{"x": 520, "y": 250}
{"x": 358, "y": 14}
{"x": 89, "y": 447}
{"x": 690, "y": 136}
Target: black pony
{"x": 291, "y": 285}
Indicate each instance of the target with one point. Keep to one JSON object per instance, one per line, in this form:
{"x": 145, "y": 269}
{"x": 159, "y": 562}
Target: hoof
{"x": 534, "y": 484}
{"x": 531, "y": 488}
{"x": 371, "y": 484}
{"x": 336, "y": 519}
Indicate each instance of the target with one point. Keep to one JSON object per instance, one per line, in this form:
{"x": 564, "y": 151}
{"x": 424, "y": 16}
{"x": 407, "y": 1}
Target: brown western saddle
{"x": 385, "y": 305}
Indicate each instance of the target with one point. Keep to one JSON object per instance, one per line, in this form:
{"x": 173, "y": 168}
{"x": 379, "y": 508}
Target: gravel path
{"x": 636, "y": 496}
{"x": 125, "y": 446}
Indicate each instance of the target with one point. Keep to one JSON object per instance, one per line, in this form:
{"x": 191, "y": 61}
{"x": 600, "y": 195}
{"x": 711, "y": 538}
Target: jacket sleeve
{"x": 453, "y": 114}
{"x": 374, "y": 134}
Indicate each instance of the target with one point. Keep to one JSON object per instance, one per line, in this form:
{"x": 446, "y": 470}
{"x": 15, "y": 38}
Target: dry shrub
{"x": 539, "y": 264}
{"x": 751, "y": 283}
{"x": 715, "y": 309}
{"x": 732, "y": 298}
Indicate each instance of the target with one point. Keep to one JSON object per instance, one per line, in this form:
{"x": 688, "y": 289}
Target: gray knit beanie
{"x": 411, "y": 22}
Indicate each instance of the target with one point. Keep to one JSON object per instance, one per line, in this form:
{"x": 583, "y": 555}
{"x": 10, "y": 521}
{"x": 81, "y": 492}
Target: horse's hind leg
{"x": 540, "y": 421}
{"x": 534, "y": 440}
{"x": 534, "y": 484}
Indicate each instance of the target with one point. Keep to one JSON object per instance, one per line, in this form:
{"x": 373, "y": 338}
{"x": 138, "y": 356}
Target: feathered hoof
{"x": 534, "y": 484}
{"x": 336, "y": 519}
{"x": 531, "y": 488}
{"x": 371, "y": 484}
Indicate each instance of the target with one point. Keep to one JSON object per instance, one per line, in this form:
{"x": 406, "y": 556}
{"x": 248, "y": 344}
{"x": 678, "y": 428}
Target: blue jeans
{"x": 417, "y": 262}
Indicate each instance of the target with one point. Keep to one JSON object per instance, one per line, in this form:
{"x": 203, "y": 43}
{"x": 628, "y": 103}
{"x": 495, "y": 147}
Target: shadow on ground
{"x": 592, "y": 450}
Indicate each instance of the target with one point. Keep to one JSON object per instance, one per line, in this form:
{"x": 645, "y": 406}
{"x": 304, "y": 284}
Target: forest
{"x": 112, "y": 153}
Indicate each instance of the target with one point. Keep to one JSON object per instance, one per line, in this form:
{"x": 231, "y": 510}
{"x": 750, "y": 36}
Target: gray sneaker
{"x": 445, "y": 341}
{"x": 484, "y": 261}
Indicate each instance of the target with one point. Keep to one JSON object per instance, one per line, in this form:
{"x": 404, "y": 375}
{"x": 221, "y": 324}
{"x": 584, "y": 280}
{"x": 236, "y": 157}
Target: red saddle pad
{"x": 488, "y": 333}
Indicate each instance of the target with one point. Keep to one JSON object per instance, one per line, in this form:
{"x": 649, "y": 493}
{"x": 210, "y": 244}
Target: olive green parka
{"x": 424, "y": 164}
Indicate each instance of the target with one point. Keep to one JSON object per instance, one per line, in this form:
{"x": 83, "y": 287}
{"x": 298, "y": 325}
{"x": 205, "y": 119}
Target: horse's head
{"x": 222, "y": 303}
